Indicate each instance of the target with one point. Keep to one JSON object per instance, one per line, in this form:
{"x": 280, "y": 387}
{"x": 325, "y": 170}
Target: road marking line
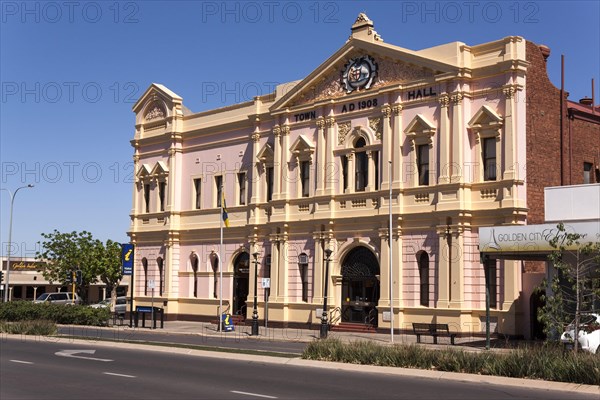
{"x": 71, "y": 354}
{"x": 254, "y": 394}
{"x": 122, "y": 375}
{"x": 21, "y": 362}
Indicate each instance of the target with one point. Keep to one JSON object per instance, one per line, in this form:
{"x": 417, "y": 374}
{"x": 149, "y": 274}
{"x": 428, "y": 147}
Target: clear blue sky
{"x": 71, "y": 71}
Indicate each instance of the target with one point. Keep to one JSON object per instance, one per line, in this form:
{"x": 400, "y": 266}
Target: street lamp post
{"x": 255, "y": 310}
{"x": 12, "y": 202}
{"x": 324, "y": 324}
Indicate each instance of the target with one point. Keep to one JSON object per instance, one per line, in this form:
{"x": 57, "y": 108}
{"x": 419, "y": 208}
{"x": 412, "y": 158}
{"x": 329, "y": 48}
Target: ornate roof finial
{"x": 363, "y": 29}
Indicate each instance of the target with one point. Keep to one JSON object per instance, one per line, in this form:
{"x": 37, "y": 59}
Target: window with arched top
{"x": 423, "y": 260}
{"x": 194, "y": 262}
{"x": 159, "y": 264}
{"x": 361, "y": 170}
{"x": 145, "y": 267}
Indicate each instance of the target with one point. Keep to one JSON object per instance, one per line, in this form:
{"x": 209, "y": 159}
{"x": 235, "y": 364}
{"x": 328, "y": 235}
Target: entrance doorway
{"x": 360, "y": 287}
{"x": 241, "y": 270}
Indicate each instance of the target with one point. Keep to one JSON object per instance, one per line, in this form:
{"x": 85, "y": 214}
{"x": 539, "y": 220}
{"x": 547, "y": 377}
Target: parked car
{"x": 589, "y": 333}
{"x": 58, "y": 298}
{"x": 120, "y": 306}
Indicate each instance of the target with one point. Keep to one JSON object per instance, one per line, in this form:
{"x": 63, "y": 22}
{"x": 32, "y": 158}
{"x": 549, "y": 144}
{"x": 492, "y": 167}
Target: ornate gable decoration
{"x": 359, "y": 73}
{"x": 154, "y": 112}
{"x": 387, "y": 72}
{"x": 420, "y": 131}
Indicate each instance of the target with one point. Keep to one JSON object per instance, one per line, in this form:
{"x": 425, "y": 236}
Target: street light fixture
{"x": 254, "y": 310}
{"x": 324, "y": 324}
{"x": 12, "y": 202}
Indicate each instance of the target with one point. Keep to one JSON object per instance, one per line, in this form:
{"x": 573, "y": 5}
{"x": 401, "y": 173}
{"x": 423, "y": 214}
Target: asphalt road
{"x": 239, "y": 341}
{"x": 46, "y": 369}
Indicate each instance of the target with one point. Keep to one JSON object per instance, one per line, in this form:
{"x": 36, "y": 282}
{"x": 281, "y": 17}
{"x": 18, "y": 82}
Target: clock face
{"x": 359, "y": 73}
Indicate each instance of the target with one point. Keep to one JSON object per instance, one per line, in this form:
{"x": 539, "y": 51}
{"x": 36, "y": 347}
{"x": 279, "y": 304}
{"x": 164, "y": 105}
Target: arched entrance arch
{"x": 360, "y": 286}
{"x": 241, "y": 270}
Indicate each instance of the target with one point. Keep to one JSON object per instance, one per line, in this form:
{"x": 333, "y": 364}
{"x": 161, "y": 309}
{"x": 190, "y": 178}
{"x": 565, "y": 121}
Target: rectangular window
{"x": 198, "y": 193}
{"x": 424, "y": 279}
{"x": 362, "y": 171}
{"x": 345, "y": 173}
{"x": 587, "y": 172}
{"x": 269, "y": 182}
{"x": 303, "y": 264}
{"x": 147, "y": 197}
{"x": 219, "y": 189}
{"x": 161, "y": 194}
{"x": 305, "y": 177}
{"x": 423, "y": 164}
{"x": 489, "y": 159}
{"x": 490, "y": 281}
{"x": 242, "y": 188}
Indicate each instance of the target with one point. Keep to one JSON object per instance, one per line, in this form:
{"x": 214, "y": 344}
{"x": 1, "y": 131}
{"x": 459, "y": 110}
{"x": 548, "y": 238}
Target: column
{"x": 275, "y": 264}
{"x": 457, "y": 275}
{"x": 284, "y": 162}
{"x": 384, "y": 270}
{"x": 371, "y": 172}
{"x": 445, "y": 145}
{"x": 318, "y": 269}
{"x": 396, "y": 152}
{"x": 351, "y": 173}
{"x": 443, "y": 278}
{"x": 509, "y": 149}
{"x": 283, "y": 275}
{"x": 386, "y": 155}
{"x": 320, "y": 156}
{"x": 277, "y": 163}
{"x": 255, "y": 172}
{"x": 330, "y": 170}
{"x": 457, "y": 138}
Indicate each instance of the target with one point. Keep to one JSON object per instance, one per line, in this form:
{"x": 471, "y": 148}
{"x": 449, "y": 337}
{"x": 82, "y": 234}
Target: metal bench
{"x": 434, "y": 330}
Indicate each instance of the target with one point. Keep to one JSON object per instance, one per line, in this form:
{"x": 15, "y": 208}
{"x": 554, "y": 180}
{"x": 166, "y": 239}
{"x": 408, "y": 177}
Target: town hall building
{"x": 456, "y": 137}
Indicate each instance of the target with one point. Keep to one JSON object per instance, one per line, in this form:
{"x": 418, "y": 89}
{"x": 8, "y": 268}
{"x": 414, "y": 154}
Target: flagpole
{"x": 220, "y": 263}
{"x": 391, "y": 269}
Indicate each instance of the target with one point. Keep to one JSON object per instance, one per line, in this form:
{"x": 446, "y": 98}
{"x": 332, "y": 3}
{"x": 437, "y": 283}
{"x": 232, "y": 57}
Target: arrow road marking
{"x": 21, "y": 362}
{"x": 254, "y": 394}
{"x": 71, "y": 354}
{"x": 122, "y": 375}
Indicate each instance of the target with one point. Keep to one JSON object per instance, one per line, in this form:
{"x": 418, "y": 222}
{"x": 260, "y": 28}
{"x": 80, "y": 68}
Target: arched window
{"x": 423, "y": 259}
{"x": 159, "y": 263}
{"x": 145, "y": 267}
{"x": 194, "y": 262}
{"x": 361, "y": 166}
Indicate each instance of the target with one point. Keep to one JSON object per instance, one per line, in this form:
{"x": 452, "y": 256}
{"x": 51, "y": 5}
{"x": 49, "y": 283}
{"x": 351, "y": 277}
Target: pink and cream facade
{"x": 310, "y": 167}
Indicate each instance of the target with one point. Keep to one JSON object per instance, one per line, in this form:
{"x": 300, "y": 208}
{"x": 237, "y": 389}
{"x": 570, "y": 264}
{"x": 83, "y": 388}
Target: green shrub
{"x": 549, "y": 362}
{"x": 61, "y": 314}
{"x": 38, "y": 327}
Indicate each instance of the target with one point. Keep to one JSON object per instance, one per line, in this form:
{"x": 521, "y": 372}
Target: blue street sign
{"x": 127, "y": 258}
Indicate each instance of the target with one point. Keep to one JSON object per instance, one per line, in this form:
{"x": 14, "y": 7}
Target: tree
{"x": 574, "y": 285}
{"x": 65, "y": 252}
{"x": 109, "y": 268}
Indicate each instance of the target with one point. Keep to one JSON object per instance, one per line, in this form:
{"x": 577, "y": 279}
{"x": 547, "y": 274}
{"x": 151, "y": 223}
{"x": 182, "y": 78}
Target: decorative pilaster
{"x": 284, "y": 162}
{"x": 320, "y": 156}
{"x": 330, "y": 170}
{"x": 445, "y": 167}
{"x": 255, "y": 167}
{"x": 457, "y": 160}
{"x": 510, "y": 148}
{"x": 387, "y": 144}
{"x": 396, "y": 146}
{"x": 277, "y": 163}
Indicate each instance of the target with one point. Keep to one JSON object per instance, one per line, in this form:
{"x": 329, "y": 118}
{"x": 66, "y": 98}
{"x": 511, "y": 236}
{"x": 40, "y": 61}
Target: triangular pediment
{"x": 265, "y": 154}
{"x": 144, "y": 171}
{"x": 395, "y": 66}
{"x": 419, "y": 124}
{"x": 484, "y": 118}
{"x": 160, "y": 168}
{"x": 302, "y": 145}
{"x": 154, "y": 92}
